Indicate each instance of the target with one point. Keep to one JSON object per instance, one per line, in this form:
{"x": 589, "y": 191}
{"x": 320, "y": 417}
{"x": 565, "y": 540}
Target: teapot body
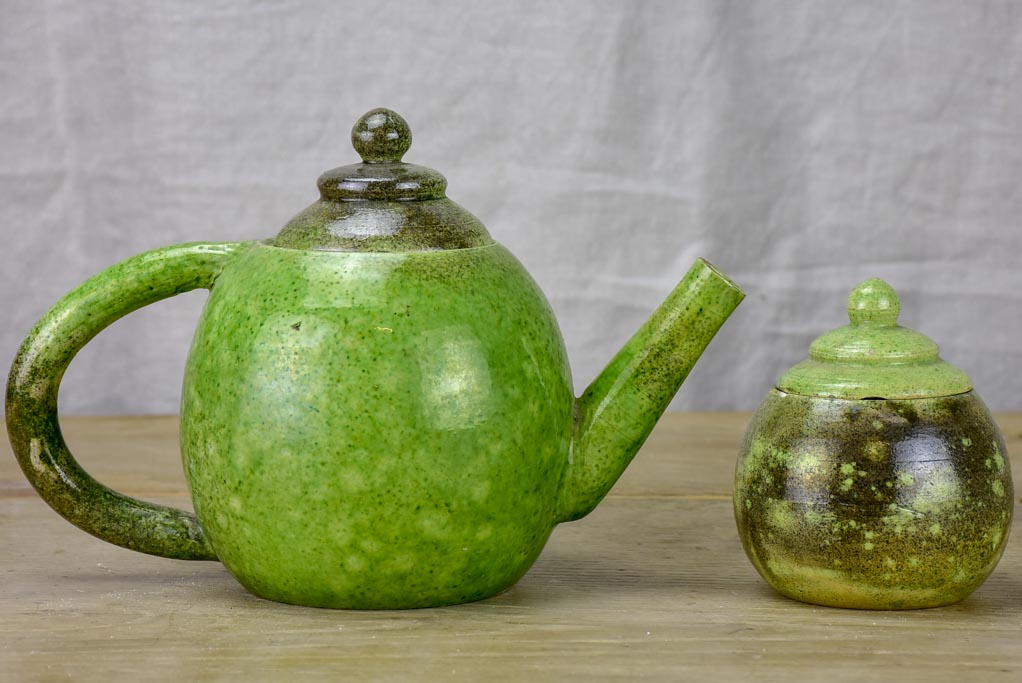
{"x": 873, "y": 503}
{"x": 376, "y": 430}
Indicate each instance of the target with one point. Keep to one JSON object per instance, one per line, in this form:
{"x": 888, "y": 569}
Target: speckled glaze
{"x": 873, "y": 356}
{"x": 376, "y": 430}
{"x": 378, "y": 418}
{"x": 874, "y": 503}
{"x": 382, "y": 204}
{"x": 882, "y": 504}
{"x": 31, "y": 407}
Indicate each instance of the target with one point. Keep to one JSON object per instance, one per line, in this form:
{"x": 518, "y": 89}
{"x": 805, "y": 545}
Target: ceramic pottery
{"x": 873, "y": 476}
{"x": 377, "y": 408}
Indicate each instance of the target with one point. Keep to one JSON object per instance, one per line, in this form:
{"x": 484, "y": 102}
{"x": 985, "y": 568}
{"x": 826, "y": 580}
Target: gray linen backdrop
{"x": 800, "y": 146}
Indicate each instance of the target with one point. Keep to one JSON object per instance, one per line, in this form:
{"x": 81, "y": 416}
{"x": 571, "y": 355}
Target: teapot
{"x": 873, "y": 476}
{"x": 377, "y": 409}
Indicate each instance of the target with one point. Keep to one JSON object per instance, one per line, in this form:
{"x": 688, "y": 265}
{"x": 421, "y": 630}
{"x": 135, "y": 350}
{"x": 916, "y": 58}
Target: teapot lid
{"x": 382, "y": 204}
{"x": 874, "y": 357}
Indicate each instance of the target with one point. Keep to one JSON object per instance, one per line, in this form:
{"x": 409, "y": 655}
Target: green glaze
{"x": 31, "y": 407}
{"x": 872, "y": 476}
{"x": 638, "y": 384}
{"x": 376, "y": 430}
{"x": 419, "y": 406}
{"x": 375, "y": 226}
{"x": 889, "y": 504}
{"x": 874, "y": 357}
{"x": 381, "y": 136}
{"x": 373, "y": 417}
{"x": 382, "y": 204}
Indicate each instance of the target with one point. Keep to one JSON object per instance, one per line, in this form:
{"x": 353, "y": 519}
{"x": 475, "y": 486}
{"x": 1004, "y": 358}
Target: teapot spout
{"x": 620, "y": 408}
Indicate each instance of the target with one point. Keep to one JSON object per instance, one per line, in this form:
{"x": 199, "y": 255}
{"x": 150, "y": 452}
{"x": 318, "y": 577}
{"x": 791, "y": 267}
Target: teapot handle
{"x": 32, "y": 422}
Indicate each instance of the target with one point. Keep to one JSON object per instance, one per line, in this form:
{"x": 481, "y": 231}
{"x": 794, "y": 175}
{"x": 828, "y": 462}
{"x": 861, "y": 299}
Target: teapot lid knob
{"x": 382, "y": 204}
{"x": 381, "y": 136}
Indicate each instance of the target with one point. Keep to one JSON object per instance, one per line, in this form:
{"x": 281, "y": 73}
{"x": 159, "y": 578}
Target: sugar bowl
{"x": 873, "y": 476}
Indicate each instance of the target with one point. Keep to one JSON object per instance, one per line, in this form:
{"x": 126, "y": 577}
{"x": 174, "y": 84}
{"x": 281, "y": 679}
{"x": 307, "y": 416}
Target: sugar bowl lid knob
{"x": 873, "y": 301}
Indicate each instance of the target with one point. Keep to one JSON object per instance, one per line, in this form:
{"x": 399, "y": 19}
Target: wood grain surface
{"x": 653, "y": 585}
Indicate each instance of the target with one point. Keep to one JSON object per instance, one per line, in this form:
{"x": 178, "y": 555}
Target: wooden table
{"x": 653, "y": 585}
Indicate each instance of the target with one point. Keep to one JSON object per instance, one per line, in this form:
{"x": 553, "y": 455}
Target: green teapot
{"x": 377, "y": 409}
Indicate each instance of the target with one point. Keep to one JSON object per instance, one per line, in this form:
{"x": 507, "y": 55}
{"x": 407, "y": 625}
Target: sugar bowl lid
{"x": 873, "y": 356}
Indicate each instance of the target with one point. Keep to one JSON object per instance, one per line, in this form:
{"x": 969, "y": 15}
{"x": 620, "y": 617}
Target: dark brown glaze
{"x": 883, "y": 504}
{"x": 382, "y": 204}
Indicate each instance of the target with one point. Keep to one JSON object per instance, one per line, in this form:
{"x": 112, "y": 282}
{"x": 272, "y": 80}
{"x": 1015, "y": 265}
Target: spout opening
{"x": 720, "y": 275}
